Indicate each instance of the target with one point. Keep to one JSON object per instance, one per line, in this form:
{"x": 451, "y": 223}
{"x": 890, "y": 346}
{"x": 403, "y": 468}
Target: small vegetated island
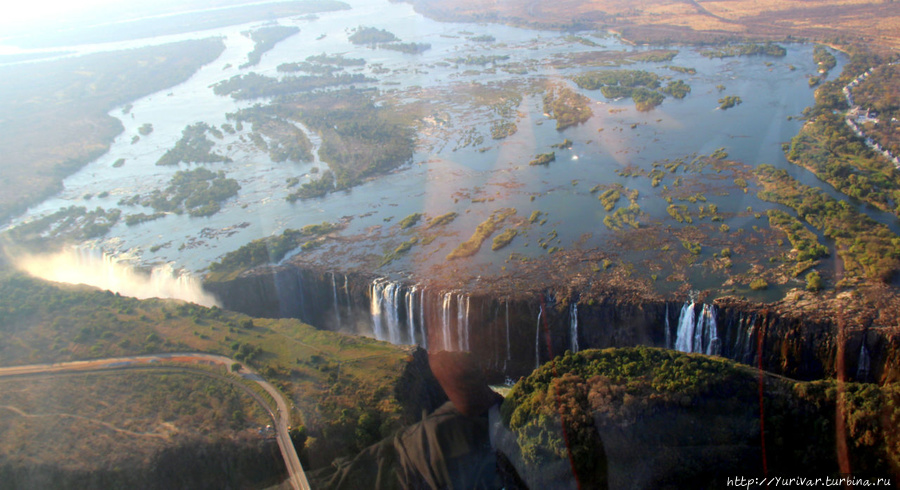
{"x": 265, "y": 38}
{"x": 381, "y": 38}
{"x": 641, "y": 86}
{"x": 198, "y": 192}
{"x": 193, "y": 147}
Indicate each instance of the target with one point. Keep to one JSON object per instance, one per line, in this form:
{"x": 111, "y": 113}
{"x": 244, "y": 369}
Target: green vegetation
{"x": 677, "y": 89}
{"x": 535, "y": 216}
{"x": 479, "y": 60}
{"x": 198, "y": 192}
{"x": 193, "y": 147}
{"x": 580, "y": 40}
{"x": 803, "y": 240}
{"x": 136, "y": 219}
{"x": 654, "y": 56}
{"x": 371, "y": 35}
{"x": 880, "y": 94}
{"x": 484, "y": 230}
{"x": 729, "y": 101}
{"x": 265, "y": 38}
{"x": 640, "y": 86}
{"x": 74, "y": 126}
{"x": 145, "y": 129}
{"x": 322, "y": 64}
{"x": 543, "y": 159}
{"x": 408, "y": 48}
{"x": 286, "y": 142}
{"x": 504, "y": 238}
{"x": 758, "y": 284}
{"x": 501, "y": 129}
{"x": 693, "y": 247}
{"x": 332, "y": 379}
{"x": 679, "y": 212}
{"x": 314, "y": 188}
{"x": 682, "y": 69}
{"x": 768, "y": 49}
{"x": 67, "y": 225}
{"x": 823, "y": 58}
{"x": 814, "y": 282}
{"x": 610, "y": 197}
{"x": 566, "y": 106}
{"x": 410, "y": 221}
{"x": 441, "y": 220}
{"x": 869, "y": 249}
{"x": 484, "y": 38}
{"x": 653, "y": 400}
{"x": 399, "y": 251}
{"x": 265, "y": 251}
{"x": 254, "y": 86}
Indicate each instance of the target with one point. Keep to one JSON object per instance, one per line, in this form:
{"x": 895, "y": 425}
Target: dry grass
{"x": 872, "y": 21}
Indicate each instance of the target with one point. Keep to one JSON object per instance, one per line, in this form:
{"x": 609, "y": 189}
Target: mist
{"x": 104, "y": 271}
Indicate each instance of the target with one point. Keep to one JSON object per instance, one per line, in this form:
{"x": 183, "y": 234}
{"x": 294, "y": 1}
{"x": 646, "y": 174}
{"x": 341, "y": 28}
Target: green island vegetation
{"x": 679, "y": 212}
{"x": 198, "y": 192}
{"x": 642, "y": 87}
{"x": 479, "y": 60}
{"x": 504, "y": 238}
{"x": 677, "y": 89}
{"x": 105, "y": 413}
{"x": 682, "y": 69}
{"x": 136, "y": 219}
{"x": 145, "y": 129}
{"x": 827, "y": 146}
{"x": 543, "y": 159}
{"x": 565, "y": 144}
{"x": 484, "y": 38}
{"x": 814, "y": 81}
{"x": 571, "y": 38}
{"x": 264, "y": 39}
{"x": 759, "y": 284}
{"x": 484, "y": 230}
{"x": 623, "y": 216}
{"x": 814, "y": 282}
{"x": 118, "y": 163}
{"x": 441, "y": 220}
{"x": 399, "y": 251}
{"x": 360, "y": 138}
{"x": 693, "y": 247}
{"x": 408, "y": 48}
{"x": 254, "y": 86}
{"x": 566, "y": 106}
{"x": 314, "y": 188}
{"x": 286, "y": 142}
{"x": 729, "y": 101}
{"x": 267, "y": 250}
{"x": 501, "y": 129}
{"x": 67, "y": 225}
{"x": 535, "y": 216}
{"x": 371, "y": 35}
{"x": 349, "y": 391}
{"x": 321, "y": 64}
{"x": 802, "y": 240}
{"x": 567, "y": 410}
{"x": 410, "y": 221}
{"x": 193, "y": 147}
{"x": 74, "y": 126}
{"x": 654, "y": 56}
{"x": 868, "y": 249}
{"x": 610, "y": 197}
{"x": 751, "y": 49}
{"x": 823, "y": 58}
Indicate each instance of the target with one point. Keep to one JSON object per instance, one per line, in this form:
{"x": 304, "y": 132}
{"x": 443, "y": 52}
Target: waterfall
{"x": 461, "y": 323}
{"x": 337, "y": 309}
{"x": 347, "y": 293}
{"x": 445, "y": 320}
{"x": 698, "y": 334}
{"x": 385, "y": 309}
{"x": 410, "y": 313}
{"x": 377, "y": 327}
{"x": 684, "y": 336}
{"x": 422, "y": 297}
{"x": 864, "y": 363}
{"x": 573, "y": 327}
{"x": 537, "y": 338}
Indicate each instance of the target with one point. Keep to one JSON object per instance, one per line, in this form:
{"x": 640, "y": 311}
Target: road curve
{"x": 296, "y": 475}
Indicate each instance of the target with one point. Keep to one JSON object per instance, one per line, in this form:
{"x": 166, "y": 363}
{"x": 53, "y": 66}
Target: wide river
{"x": 446, "y": 174}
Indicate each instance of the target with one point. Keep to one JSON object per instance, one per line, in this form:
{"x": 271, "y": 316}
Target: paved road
{"x": 281, "y": 417}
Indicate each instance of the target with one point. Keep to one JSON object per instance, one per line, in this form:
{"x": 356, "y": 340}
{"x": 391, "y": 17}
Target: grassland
{"x": 706, "y": 21}
{"x": 334, "y": 380}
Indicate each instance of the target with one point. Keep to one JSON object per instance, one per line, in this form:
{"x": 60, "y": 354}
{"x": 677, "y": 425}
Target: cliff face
{"x": 800, "y": 337}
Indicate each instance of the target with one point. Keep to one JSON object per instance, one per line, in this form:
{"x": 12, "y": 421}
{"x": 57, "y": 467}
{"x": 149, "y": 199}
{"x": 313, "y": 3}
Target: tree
{"x": 814, "y": 281}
